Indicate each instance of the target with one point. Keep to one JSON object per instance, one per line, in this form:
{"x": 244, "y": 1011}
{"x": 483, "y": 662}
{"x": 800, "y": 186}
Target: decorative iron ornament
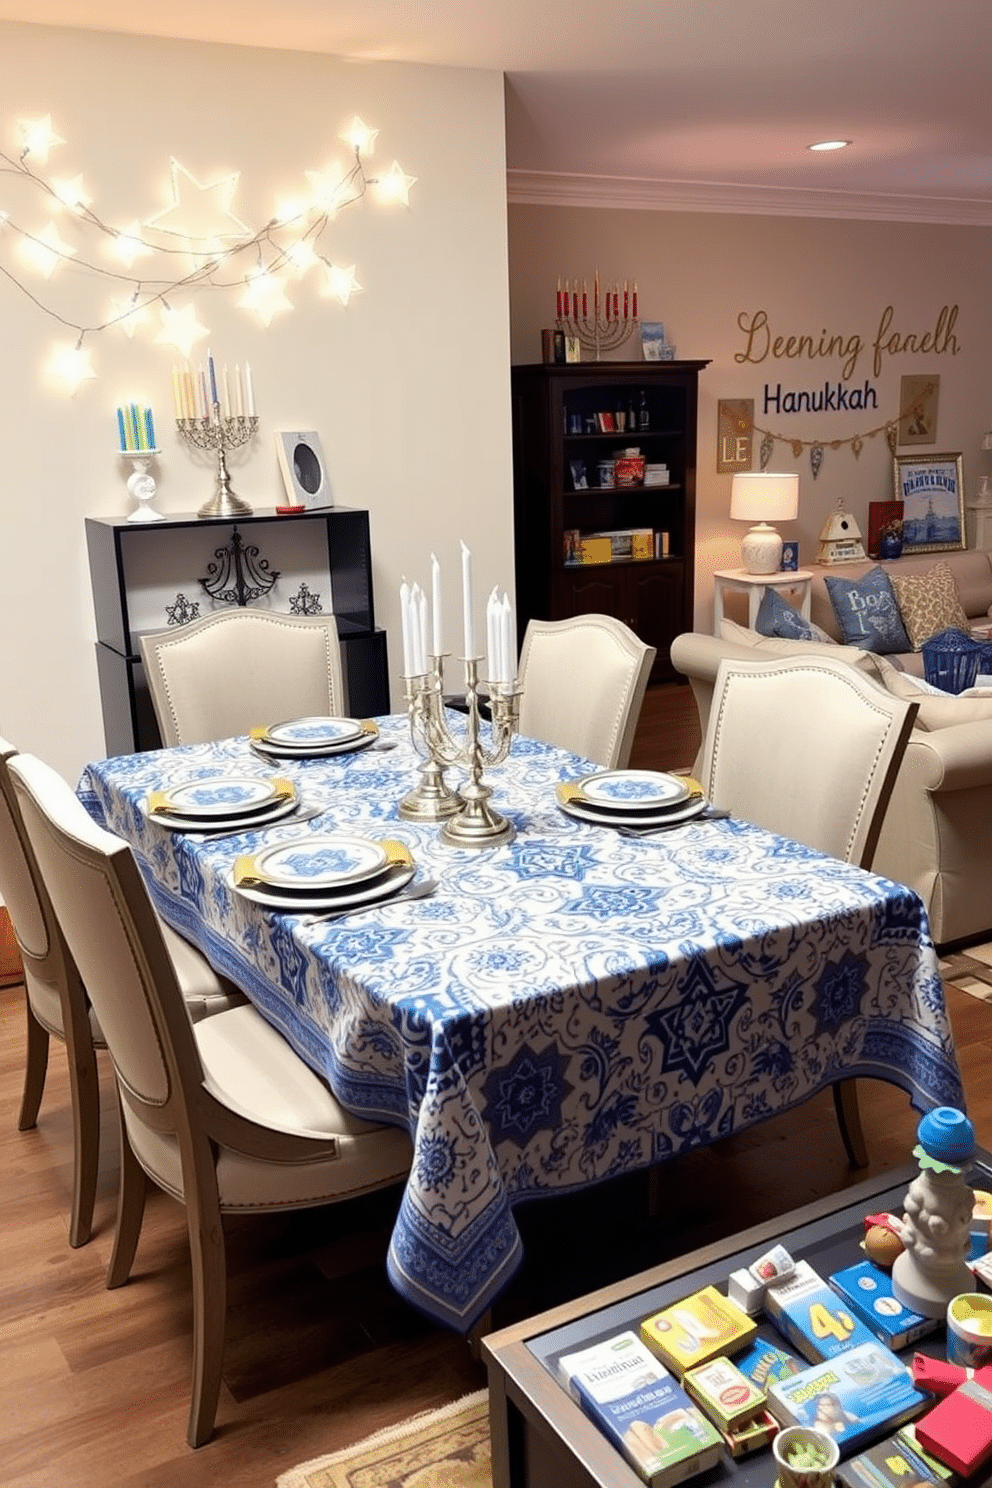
{"x": 304, "y": 602}
{"x": 240, "y": 574}
{"x": 815, "y": 459}
{"x": 182, "y": 611}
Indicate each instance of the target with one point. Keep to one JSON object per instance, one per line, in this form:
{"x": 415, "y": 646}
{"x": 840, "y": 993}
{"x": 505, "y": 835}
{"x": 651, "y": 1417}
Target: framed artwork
{"x": 882, "y": 517}
{"x": 790, "y": 557}
{"x": 931, "y": 489}
{"x": 580, "y": 480}
{"x": 304, "y": 474}
{"x": 918, "y": 409}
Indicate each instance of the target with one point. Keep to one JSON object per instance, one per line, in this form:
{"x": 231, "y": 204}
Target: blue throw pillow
{"x": 777, "y": 617}
{"x": 868, "y": 614}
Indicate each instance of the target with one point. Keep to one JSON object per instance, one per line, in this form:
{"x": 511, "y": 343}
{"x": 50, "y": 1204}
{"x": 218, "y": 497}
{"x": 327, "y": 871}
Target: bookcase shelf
{"x": 558, "y": 445}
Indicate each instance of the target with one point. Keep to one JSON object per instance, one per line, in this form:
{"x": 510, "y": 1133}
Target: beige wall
{"x": 698, "y": 272}
{"x": 408, "y": 387}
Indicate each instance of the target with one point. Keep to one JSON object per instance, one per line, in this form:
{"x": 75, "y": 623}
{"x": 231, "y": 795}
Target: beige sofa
{"x": 936, "y": 835}
{"x": 972, "y": 571}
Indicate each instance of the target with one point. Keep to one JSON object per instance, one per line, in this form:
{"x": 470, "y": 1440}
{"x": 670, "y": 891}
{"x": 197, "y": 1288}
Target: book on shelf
{"x": 637, "y": 1404}
{"x": 812, "y": 1316}
{"x": 855, "y": 1397}
{"x": 697, "y": 1329}
{"x": 629, "y": 543}
{"x": 867, "y": 1290}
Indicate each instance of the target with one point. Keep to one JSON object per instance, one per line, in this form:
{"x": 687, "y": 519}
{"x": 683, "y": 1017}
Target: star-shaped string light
{"x": 340, "y": 284}
{"x": 129, "y": 315}
{"x": 181, "y": 329}
{"x": 128, "y": 245}
{"x": 38, "y": 138}
{"x": 46, "y": 251}
{"x": 196, "y": 242}
{"x": 70, "y": 365}
{"x": 395, "y": 185}
{"x": 265, "y": 293}
{"x": 200, "y": 213}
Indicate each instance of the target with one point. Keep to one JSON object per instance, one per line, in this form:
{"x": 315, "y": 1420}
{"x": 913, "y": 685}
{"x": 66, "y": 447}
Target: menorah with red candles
{"x": 601, "y": 321}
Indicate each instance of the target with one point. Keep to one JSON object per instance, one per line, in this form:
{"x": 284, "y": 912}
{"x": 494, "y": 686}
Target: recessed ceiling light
{"x": 830, "y": 145}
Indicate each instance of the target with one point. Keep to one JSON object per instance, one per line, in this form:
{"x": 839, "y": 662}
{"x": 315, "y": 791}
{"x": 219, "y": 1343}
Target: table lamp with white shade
{"x": 763, "y": 498}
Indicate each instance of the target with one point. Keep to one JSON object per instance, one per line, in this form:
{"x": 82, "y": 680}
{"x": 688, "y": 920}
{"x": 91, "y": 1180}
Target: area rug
{"x": 970, "y": 971}
{"x": 447, "y": 1448}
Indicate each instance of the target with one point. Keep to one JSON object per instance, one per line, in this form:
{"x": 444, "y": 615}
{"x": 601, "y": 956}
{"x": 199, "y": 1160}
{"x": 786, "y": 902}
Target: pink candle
{"x": 575, "y": 301}
{"x": 585, "y": 300}
{"x": 626, "y": 301}
{"x": 634, "y": 302}
{"x": 558, "y": 301}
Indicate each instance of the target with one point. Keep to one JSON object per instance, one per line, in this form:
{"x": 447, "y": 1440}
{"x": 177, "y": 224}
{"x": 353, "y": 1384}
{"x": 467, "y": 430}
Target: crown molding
{"x": 540, "y": 188}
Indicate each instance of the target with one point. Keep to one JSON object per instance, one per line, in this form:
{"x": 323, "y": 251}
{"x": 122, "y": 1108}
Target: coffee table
{"x": 541, "y": 1438}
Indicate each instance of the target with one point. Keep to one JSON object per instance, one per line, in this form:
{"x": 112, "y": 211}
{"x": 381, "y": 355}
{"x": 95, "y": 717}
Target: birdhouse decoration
{"x": 840, "y": 538}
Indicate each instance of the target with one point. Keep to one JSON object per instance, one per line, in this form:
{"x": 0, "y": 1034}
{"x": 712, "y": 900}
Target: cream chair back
{"x": 808, "y": 747}
{"x": 229, "y": 672}
{"x": 583, "y": 684}
{"x": 56, "y": 1002}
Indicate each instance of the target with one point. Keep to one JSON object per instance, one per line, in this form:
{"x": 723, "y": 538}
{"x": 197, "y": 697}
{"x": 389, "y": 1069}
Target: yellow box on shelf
{"x": 595, "y": 550}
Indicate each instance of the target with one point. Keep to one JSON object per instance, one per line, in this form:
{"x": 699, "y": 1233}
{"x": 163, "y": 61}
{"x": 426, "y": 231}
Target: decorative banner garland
{"x": 817, "y": 447}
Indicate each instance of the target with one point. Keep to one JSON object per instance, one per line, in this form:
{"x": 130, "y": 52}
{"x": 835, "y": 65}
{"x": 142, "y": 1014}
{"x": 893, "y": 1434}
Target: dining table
{"x": 573, "y": 1004}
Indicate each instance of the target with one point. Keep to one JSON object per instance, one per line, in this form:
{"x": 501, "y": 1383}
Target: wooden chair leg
{"x": 206, "y": 1243}
{"x": 849, "y": 1120}
{"x": 36, "y": 1068}
{"x": 130, "y": 1211}
{"x": 84, "y": 1089}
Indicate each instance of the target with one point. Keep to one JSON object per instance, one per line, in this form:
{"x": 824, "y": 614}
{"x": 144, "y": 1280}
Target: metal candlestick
{"x": 220, "y": 434}
{"x": 474, "y": 823}
{"x": 596, "y": 334}
{"x": 431, "y": 800}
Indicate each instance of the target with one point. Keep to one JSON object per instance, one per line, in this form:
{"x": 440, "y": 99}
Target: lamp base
{"x": 761, "y": 550}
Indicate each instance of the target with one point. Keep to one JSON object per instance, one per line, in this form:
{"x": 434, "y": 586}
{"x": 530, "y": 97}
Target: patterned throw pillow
{"x": 928, "y": 602}
{"x": 777, "y": 617}
{"x": 867, "y": 612}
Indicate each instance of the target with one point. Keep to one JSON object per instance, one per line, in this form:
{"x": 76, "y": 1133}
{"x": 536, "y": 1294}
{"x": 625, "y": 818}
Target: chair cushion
{"x": 249, "y": 1067}
{"x": 929, "y": 602}
{"x": 867, "y": 612}
{"x": 204, "y": 990}
{"x": 777, "y": 617}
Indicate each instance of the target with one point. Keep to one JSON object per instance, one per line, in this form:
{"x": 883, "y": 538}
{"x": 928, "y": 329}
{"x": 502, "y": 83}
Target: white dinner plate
{"x": 284, "y": 751}
{"x": 320, "y": 861}
{"x": 273, "y": 813}
{"x": 220, "y": 796}
{"x": 633, "y": 790}
{"x": 642, "y": 819}
{"x": 313, "y": 733}
{"x": 305, "y": 903}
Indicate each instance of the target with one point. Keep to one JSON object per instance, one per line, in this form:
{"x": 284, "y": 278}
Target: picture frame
{"x": 918, "y": 396}
{"x": 304, "y": 473}
{"x": 790, "y": 557}
{"x": 580, "y": 478}
{"x": 931, "y": 489}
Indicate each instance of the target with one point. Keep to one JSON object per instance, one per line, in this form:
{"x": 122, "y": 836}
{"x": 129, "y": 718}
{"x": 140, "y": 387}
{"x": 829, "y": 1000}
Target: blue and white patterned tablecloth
{"x": 566, "y": 1007}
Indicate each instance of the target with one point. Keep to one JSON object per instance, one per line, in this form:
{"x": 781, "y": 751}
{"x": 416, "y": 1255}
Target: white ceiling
{"x": 705, "y": 104}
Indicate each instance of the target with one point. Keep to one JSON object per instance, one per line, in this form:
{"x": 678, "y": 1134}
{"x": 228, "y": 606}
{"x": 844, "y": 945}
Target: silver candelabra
{"x": 469, "y": 820}
{"x": 600, "y": 321}
{"x": 220, "y": 435}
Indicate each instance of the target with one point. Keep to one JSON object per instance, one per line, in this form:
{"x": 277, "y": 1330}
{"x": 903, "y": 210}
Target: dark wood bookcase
{"x": 559, "y": 441}
{"x": 132, "y": 561}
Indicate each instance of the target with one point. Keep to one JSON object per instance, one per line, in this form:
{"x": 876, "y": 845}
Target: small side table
{"x": 752, "y": 585}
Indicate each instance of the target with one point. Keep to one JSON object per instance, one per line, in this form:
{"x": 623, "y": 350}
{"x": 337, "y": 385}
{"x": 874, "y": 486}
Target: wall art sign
{"x": 918, "y": 409}
{"x": 734, "y": 434}
{"x": 931, "y": 489}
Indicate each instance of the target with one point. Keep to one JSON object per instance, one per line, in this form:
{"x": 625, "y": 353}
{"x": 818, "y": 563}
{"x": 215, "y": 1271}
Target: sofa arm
{"x": 952, "y": 759}
{"x": 698, "y": 656}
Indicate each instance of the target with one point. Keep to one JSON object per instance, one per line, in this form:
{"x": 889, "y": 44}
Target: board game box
{"x": 861, "y": 1394}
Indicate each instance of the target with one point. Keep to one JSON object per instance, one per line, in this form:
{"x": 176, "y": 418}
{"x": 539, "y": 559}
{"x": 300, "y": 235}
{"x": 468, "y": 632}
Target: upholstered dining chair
{"x": 227, "y": 672}
{"x": 56, "y": 1001}
{"x": 809, "y": 748}
{"x": 583, "y": 684}
{"x": 221, "y": 1114}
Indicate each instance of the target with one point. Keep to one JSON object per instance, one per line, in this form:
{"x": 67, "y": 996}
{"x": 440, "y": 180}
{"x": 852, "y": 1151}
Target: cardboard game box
{"x": 812, "y": 1316}
{"x": 645, "y": 1413}
{"x": 867, "y": 1290}
{"x": 855, "y": 1397}
{"x": 697, "y": 1329}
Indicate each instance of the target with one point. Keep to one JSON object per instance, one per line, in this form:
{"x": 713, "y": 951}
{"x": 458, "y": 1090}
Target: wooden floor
{"x": 320, "y": 1352}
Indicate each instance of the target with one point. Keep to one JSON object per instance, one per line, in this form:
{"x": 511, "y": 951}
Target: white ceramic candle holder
{"x": 141, "y": 485}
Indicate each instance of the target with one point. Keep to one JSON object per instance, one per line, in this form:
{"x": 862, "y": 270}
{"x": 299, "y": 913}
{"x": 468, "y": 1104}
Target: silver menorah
{"x": 469, "y": 820}
{"x": 220, "y": 435}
